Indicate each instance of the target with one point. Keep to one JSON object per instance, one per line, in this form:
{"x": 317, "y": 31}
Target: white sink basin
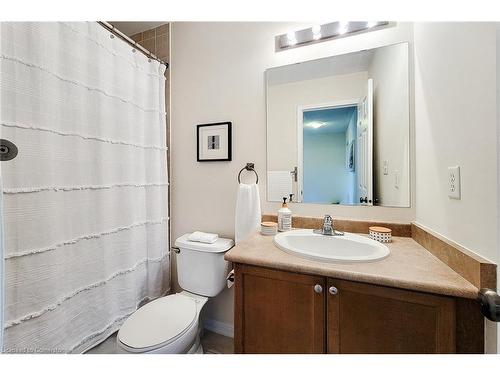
{"x": 347, "y": 248}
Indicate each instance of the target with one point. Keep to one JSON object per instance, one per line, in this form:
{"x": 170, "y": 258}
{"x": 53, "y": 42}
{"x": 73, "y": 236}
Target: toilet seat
{"x": 159, "y": 323}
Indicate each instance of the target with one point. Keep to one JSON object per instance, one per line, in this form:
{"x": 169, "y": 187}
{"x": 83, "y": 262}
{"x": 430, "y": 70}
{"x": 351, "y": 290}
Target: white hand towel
{"x": 203, "y": 237}
{"x": 248, "y": 216}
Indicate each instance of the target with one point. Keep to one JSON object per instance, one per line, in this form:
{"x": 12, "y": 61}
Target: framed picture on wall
{"x": 349, "y": 160}
{"x": 213, "y": 142}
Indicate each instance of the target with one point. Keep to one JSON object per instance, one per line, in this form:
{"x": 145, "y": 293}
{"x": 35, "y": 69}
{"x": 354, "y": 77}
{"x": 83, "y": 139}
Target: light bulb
{"x": 316, "y": 30}
{"x": 370, "y": 24}
{"x": 291, "y": 38}
{"x": 343, "y": 26}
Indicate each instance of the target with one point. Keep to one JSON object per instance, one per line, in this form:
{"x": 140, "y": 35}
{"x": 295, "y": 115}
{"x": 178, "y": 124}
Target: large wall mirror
{"x": 338, "y": 129}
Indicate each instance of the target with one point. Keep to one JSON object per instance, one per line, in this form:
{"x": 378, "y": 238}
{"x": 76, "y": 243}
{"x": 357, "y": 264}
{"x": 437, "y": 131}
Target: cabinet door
{"x": 364, "y": 318}
{"x": 278, "y": 312}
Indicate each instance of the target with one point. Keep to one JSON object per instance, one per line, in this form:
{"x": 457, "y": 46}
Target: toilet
{"x": 171, "y": 324}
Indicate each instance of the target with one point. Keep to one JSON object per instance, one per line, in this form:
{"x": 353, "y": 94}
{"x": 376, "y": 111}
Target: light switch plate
{"x": 454, "y": 182}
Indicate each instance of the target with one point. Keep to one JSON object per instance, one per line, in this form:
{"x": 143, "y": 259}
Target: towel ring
{"x": 249, "y": 167}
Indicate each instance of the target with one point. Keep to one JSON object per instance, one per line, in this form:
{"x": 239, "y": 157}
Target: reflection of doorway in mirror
{"x": 326, "y": 134}
{"x": 364, "y": 132}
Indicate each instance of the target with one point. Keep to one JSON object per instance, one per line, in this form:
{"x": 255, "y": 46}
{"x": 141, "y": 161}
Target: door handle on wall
{"x": 489, "y": 301}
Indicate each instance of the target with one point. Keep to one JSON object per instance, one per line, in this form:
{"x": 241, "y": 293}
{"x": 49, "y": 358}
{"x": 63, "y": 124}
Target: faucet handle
{"x": 328, "y": 229}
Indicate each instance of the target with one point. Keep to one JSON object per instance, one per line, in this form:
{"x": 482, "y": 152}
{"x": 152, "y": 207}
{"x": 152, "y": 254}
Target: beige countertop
{"x": 409, "y": 266}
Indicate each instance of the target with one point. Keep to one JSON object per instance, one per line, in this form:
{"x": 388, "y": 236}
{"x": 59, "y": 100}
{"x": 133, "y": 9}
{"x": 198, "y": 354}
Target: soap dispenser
{"x": 284, "y": 217}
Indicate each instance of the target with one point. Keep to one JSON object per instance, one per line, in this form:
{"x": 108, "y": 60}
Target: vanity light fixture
{"x": 327, "y": 31}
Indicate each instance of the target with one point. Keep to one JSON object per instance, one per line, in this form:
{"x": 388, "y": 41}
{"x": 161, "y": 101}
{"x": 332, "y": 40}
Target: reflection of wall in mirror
{"x": 283, "y": 101}
{"x": 326, "y": 179}
{"x": 389, "y": 71}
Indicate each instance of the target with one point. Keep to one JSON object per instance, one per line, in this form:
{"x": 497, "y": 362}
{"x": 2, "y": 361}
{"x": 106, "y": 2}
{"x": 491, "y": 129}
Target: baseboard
{"x": 221, "y": 328}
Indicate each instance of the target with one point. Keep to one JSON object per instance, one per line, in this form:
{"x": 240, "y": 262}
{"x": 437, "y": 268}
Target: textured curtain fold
{"x": 85, "y": 206}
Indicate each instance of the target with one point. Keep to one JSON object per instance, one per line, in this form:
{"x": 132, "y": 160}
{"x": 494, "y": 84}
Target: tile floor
{"x": 212, "y": 342}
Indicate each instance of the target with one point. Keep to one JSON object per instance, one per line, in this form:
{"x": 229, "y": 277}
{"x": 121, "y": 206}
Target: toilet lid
{"x": 158, "y": 322}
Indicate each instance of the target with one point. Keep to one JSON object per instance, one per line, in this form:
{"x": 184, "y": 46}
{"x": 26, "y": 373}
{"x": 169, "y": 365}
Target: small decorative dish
{"x": 380, "y": 234}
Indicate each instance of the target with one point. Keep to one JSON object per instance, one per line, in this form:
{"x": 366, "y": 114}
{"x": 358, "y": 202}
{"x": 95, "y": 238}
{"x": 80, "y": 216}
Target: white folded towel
{"x": 248, "y": 216}
{"x": 203, "y": 237}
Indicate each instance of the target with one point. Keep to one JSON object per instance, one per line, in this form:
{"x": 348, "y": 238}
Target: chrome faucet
{"x": 328, "y": 228}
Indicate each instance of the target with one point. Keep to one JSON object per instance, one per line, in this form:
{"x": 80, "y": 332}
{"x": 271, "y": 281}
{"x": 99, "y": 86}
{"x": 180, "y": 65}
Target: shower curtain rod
{"x": 131, "y": 42}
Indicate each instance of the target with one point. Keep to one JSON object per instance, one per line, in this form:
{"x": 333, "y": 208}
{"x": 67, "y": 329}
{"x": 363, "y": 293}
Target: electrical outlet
{"x": 396, "y": 179}
{"x": 386, "y": 167}
{"x": 454, "y": 182}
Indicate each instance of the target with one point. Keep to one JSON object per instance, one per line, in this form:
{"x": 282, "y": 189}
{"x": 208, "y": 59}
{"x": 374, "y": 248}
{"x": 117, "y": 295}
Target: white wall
{"x": 391, "y": 139}
{"x": 455, "y": 114}
{"x": 283, "y": 101}
{"x": 217, "y": 72}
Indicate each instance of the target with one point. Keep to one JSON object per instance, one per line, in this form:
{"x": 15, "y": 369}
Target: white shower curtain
{"x": 85, "y": 201}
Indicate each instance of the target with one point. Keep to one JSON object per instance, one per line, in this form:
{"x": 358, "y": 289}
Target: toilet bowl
{"x": 171, "y": 324}
{"x": 166, "y": 325}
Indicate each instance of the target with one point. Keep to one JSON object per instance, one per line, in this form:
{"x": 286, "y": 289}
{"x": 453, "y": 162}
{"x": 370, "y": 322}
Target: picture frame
{"x": 214, "y": 142}
{"x": 350, "y": 161}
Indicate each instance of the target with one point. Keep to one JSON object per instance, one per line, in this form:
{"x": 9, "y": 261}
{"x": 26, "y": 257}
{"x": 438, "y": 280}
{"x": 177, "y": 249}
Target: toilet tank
{"x": 201, "y": 268}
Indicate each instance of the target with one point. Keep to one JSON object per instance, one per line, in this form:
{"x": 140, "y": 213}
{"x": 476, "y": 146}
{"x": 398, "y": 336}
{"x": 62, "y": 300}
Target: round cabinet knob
{"x": 332, "y": 290}
{"x": 318, "y": 288}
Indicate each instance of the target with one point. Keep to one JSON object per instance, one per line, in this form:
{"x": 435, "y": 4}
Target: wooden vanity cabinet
{"x": 278, "y": 312}
{"x": 285, "y": 312}
{"x": 365, "y": 318}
